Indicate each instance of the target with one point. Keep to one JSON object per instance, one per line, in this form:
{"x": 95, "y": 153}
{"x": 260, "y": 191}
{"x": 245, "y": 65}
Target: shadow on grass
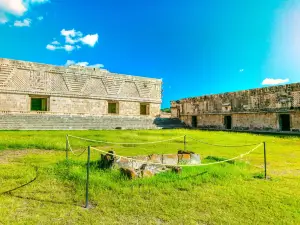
{"x": 23, "y": 185}
{"x": 42, "y": 200}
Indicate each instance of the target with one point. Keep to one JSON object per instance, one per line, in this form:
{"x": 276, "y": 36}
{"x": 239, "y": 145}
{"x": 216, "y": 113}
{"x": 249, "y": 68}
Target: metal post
{"x": 184, "y": 142}
{"x": 67, "y": 146}
{"x": 265, "y": 160}
{"x": 87, "y": 178}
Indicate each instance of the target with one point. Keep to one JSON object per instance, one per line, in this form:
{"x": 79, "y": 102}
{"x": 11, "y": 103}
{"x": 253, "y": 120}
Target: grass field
{"x": 219, "y": 194}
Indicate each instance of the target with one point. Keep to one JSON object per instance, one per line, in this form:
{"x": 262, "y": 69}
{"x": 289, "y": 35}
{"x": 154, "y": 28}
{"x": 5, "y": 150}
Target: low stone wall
{"x": 148, "y": 165}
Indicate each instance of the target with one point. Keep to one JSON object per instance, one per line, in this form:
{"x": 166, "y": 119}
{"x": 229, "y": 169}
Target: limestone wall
{"x": 14, "y": 102}
{"x": 295, "y": 121}
{"x": 271, "y": 99}
{"x": 78, "y": 106}
{"x": 75, "y": 89}
{"x": 255, "y": 121}
{"x": 244, "y": 121}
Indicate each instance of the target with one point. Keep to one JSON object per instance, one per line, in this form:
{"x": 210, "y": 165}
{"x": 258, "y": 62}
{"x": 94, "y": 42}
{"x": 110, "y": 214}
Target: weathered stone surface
{"x": 75, "y": 90}
{"x": 139, "y": 161}
{"x": 195, "y": 159}
{"x": 146, "y": 168}
{"x": 155, "y": 158}
{"x": 256, "y": 109}
{"x": 184, "y": 158}
{"x": 171, "y": 159}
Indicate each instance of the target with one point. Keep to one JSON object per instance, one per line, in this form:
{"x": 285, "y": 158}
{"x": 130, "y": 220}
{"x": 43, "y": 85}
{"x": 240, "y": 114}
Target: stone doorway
{"x": 194, "y": 121}
{"x": 285, "y": 122}
{"x": 228, "y": 122}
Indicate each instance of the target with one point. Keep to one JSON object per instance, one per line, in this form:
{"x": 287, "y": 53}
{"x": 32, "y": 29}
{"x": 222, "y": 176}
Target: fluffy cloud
{"x": 84, "y": 64}
{"x": 271, "y": 81}
{"x": 16, "y": 7}
{"x": 24, "y": 23}
{"x": 90, "y": 39}
{"x": 69, "y": 48}
{"x": 55, "y": 43}
{"x": 74, "y": 40}
{"x": 53, "y": 47}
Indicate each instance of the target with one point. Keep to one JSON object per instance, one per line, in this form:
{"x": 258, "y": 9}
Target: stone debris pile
{"x": 148, "y": 165}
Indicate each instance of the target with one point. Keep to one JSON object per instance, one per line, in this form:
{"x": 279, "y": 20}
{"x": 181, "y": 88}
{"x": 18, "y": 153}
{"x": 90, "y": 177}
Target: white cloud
{"x": 97, "y": 65}
{"x": 69, "y": 48}
{"x": 55, "y": 43}
{"x": 24, "y": 23}
{"x": 90, "y": 39}
{"x": 72, "y": 33}
{"x": 40, "y": 18}
{"x": 271, "y": 81}
{"x": 16, "y": 7}
{"x": 241, "y": 70}
{"x": 71, "y": 36}
{"x": 70, "y": 62}
{"x": 51, "y": 47}
{"x": 84, "y": 64}
{"x": 74, "y": 40}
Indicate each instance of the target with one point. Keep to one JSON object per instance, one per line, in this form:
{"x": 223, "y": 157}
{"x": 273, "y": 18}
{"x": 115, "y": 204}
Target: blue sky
{"x": 196, "y": 47}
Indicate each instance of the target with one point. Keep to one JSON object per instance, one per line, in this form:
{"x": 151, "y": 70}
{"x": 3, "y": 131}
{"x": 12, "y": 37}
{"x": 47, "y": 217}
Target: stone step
{"x": 77, "y": 122}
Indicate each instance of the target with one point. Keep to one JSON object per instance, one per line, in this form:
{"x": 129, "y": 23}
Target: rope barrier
{"x": 184, "y": 165}
{"x": 27, "y": 183}
{"x": 226, "y": 146}
{"x": 69, "y": 146}
{"x": 119, "y": 143}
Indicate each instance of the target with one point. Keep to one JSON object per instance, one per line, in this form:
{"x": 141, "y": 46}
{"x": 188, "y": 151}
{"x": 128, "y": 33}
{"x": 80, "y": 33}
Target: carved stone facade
{"x": 274, "y": 108}
{"x": 74, "y": 90}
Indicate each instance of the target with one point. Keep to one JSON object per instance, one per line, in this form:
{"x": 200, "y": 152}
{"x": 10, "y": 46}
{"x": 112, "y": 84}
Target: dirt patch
{"x": 6, "y": 156}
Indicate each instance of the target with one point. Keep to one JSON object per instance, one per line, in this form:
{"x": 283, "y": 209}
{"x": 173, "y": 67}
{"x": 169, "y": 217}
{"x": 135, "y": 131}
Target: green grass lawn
{"x": 219, "y": 194}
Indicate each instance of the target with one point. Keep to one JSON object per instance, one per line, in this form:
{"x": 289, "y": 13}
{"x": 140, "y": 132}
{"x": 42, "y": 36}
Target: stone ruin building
{"x": 39, "y": 96}
{"x": 275, "y": 108}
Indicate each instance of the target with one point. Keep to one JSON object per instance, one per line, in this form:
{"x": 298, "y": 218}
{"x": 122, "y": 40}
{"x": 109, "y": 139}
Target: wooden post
{"x": 87, "y": 178}
{"x": 265, "y": 160}
{"x": 67, "y": 146}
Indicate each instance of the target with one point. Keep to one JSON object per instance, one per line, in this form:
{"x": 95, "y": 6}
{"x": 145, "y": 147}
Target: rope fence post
{"x": 265, "y": 159}
{"x": 87, "y": 178}
{"x": 184, "y": 143}
{"x": 67, "y": 146}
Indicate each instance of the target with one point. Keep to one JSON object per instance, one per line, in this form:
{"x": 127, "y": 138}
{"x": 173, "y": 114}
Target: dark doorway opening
{"x": 285, "y": 122}
{"x": 227, "y": 122}
{"x": 194, "y": 121}
{"x": 38, "y": 104}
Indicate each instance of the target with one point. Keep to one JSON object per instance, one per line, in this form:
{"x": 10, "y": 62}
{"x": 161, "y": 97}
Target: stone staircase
{"x": 83, "y": 122}
{"x": 169, "y": 123}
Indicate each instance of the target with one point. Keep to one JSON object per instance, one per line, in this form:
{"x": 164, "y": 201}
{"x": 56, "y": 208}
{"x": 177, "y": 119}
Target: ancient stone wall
{"x": 74, "y": 89}
{"x": 271, "y": 99}
{"x": 257, "y": 109}
{"x": 78, "y": 106}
